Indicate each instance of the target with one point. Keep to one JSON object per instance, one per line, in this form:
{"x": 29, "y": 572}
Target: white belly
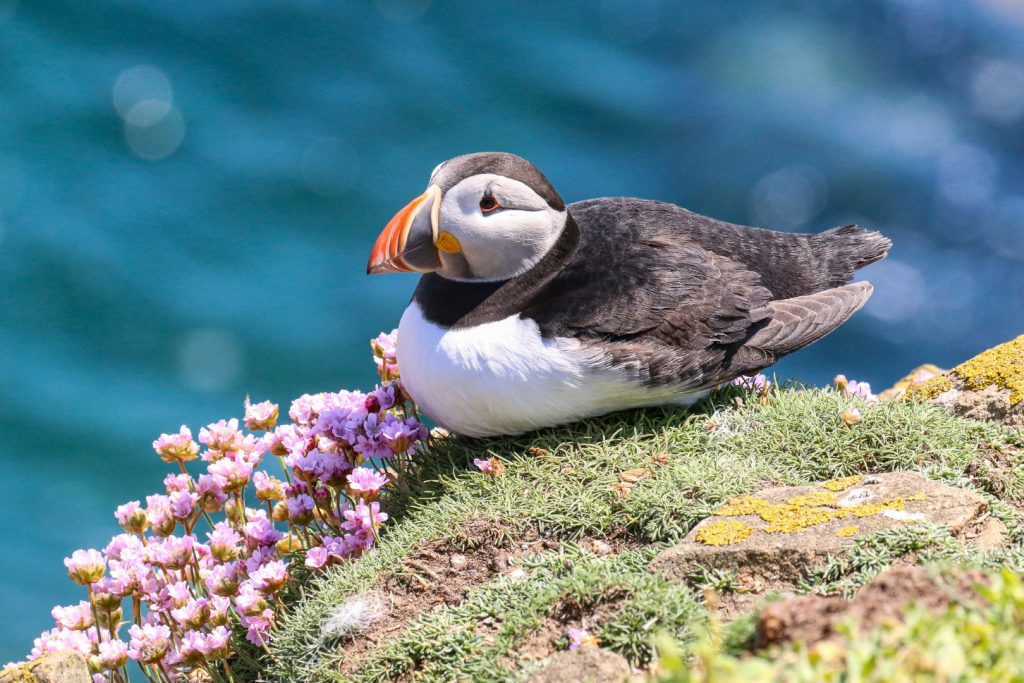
{"x": 504, "y": 378}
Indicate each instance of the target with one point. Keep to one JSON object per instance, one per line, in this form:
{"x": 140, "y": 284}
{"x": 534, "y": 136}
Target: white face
{"x": 503, "y": 228}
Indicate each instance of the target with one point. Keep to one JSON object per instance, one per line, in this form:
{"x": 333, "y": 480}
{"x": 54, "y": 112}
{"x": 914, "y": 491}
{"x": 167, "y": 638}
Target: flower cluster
{"x": 196, "y": 564}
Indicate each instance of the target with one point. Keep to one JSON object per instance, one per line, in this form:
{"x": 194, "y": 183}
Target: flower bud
{"x": 288, "y": 544}
{"x": 280, "y": 512}
{"x": 109, "y": 619}
{"x": 840, "y": 383}
{"x": 851, "y": 416}
{"x": 234, "y": 511}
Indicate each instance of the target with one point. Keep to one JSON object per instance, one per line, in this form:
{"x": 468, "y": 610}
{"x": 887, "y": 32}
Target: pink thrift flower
{"x": 190, "y": 647}
{"x": 268, "y": 487}
{"x": 215, "y": 643}
{"x": 270, "y": 578}
{"x": 193, "y": 614}
{"x": 300, "y": 509}
{"x": 305, "y": 408}
{"x": 223, "y": 580}
{"x": 260, "y": 531}
{"x": 318, "y": 557}
{"x": 74, "y": 617}
{"x": 860, "y": 390}
{"x": 56, "y": 640}
{"x": 159, "y": 514}
{"x": 112, "y": 654}
{"x": 182, "y": 504}
{"x": 176, "y": 447}
{"x": 385, "y": 355}
{"x": 225, "y": 542}
{"x": 176, "y": 595}
{"x": 220, "y": 611}
{"x": 755, "y": 382}
{"x": 85, "y": 567}
{"x": 366, "y": 482}
{"x": 210, "y": 489}
{"x": 249, "y": 601}
{"x": 364, "y": 517}
{"x": 258, "y": 627}
{"x": 235, "y": 472}
{"x": 402, "y": 437}
{"x": 149, "y": 642}
{"x": 490, "y": 466}
{"x": 579, "y": 637}
{"x": 177, "y": 482}
{"x": 223, "y": 437}
{"x": 260, "y": 416}
{"x": 132, "y": 517}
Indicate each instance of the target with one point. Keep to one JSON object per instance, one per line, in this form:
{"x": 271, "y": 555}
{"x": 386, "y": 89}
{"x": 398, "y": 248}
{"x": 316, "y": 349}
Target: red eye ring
{"x": 488, "y": 203}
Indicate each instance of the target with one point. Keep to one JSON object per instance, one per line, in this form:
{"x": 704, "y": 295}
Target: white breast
{"x": 505, "y": 378}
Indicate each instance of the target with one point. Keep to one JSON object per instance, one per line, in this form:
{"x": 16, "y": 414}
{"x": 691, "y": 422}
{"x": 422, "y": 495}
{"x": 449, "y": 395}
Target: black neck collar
{"x": 466, "y": 304}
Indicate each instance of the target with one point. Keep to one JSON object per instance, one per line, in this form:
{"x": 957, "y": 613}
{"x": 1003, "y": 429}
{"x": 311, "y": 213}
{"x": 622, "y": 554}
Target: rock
{"x": 777, "y": 534}
{"x": 587, "y": 664}
{"x": 811, "y": 619}
{"x": 56, "y": 667}
{"x": 989, "y": 386}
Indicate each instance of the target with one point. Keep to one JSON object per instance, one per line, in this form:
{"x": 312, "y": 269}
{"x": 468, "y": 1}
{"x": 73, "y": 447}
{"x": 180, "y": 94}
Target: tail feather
{"x": 848, "y": 249}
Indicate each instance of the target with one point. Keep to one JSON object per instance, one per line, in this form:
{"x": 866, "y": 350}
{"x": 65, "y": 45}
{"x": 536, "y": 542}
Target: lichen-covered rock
{"x": 56, "y": 667}
{"x": 779, "y": 533}
{"x": 989, "y": 386}
{"x": 587, "y": 664}
{"x": 918, "y": 375}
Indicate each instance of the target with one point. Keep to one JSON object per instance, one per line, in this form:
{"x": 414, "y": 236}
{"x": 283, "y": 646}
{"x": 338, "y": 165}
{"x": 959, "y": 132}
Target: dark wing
{"x": 656, "y": 302}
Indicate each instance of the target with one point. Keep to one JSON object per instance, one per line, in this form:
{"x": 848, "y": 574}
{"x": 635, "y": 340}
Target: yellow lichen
{"x": 1001, "y": 365}
{"x": 930, "y": 388}
{"x": 841, "y": 484}
{"x": 847, "y": 531}
{"x": 802, "y": 512}
{"x": 724, "y": 532}
{"x": 740, "y": 505}
{"x": 815, "y": 499}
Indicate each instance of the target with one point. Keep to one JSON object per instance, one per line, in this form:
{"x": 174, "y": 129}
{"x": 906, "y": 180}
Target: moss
{"x": 847, "y": 531}
{"x": 930, "y": 388}
{"x": 1002, "y": 365}
{"x": 724, "y": 532}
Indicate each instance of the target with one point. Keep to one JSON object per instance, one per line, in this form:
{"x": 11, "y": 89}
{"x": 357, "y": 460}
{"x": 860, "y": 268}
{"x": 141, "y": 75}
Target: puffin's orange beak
{"x": 407, "y": 241}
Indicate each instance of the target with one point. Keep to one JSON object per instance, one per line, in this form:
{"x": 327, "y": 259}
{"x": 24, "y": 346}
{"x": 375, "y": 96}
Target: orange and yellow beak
{"x": 409, "y": 240}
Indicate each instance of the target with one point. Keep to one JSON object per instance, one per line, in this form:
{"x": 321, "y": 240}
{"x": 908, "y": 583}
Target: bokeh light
{"x": 210, "y": 360}
{"x": 789, "y": 197}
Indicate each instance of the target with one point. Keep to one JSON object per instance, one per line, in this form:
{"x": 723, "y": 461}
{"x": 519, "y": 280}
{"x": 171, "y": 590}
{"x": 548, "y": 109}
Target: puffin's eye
{"x": 488, "y": 203}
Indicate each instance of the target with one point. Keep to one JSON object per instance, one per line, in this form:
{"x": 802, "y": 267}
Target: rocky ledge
{"x": 605, "y": 550}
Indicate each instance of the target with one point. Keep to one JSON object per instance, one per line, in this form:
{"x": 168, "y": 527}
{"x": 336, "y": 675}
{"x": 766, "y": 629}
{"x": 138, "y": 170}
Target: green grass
{"x": 566, "y": 494}
{"x": 976, "y": 641}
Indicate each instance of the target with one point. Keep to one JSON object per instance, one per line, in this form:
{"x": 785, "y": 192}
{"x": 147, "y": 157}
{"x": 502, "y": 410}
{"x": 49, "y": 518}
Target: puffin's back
{"x": 790, "y": 264}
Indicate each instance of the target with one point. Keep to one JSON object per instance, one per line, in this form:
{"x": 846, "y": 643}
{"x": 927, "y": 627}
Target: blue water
{"x": 188, "y": 192}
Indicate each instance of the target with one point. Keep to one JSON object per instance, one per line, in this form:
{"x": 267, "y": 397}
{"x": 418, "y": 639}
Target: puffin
{"x": 531, "y": 312}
